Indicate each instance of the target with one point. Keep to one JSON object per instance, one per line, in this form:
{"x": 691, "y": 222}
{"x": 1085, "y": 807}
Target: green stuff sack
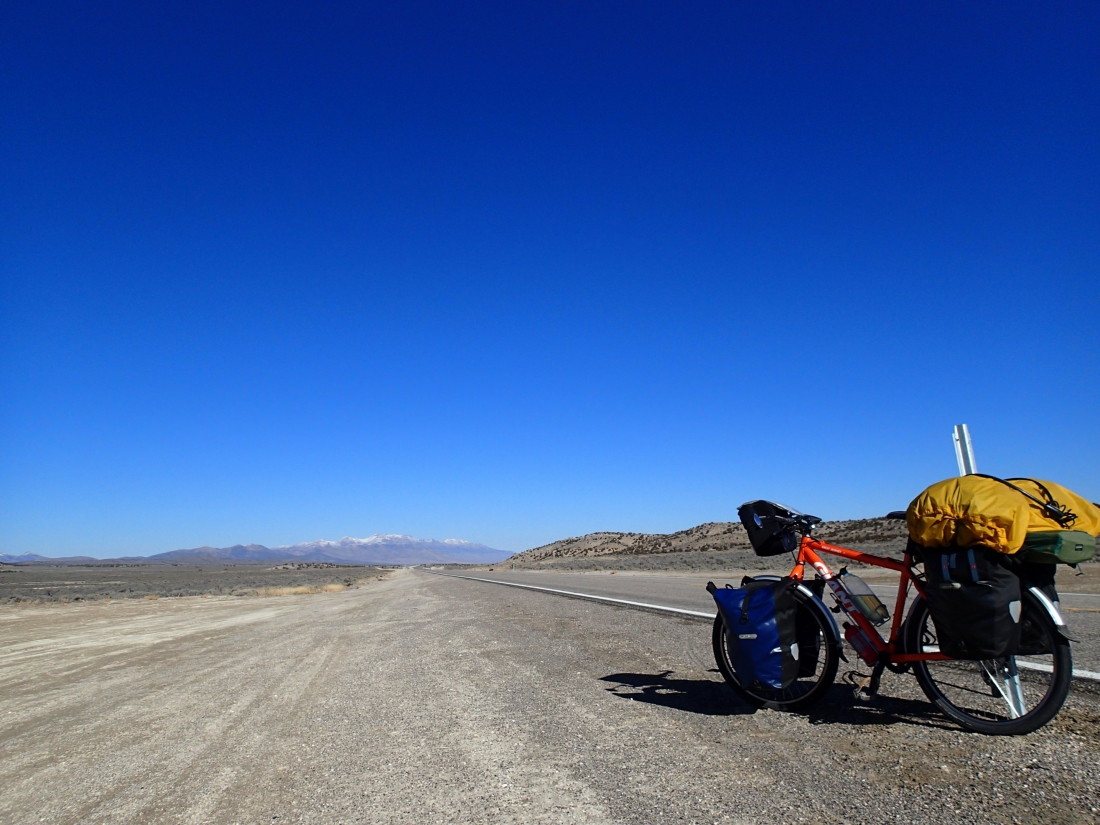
{"x": 1059, "y": 547}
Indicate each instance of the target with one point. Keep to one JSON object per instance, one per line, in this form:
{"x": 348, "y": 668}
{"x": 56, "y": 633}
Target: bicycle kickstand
{"x": 867, "y": 687}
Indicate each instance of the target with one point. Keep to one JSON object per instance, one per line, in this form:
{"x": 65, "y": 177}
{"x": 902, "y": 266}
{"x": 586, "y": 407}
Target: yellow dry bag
{"x": 981, "y": 510}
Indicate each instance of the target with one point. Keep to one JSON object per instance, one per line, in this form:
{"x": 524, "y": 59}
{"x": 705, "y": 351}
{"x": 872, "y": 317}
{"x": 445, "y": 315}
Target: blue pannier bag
{"x": 761, "y": 631}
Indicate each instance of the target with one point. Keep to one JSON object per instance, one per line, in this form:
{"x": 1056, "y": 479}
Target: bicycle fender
{"x": 1052, "y": 610}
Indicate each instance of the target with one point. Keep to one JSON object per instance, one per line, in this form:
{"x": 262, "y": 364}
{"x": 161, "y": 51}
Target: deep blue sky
{"x": 512, "y": 272}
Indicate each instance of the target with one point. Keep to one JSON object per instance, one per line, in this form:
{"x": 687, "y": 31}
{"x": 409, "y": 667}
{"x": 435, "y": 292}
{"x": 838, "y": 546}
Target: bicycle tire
{"x": 805, "y": 691}
{"x": 967, "y": 691}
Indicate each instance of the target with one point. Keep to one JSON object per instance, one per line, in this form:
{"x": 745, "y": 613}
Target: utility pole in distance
{"x": 964, "y": 450}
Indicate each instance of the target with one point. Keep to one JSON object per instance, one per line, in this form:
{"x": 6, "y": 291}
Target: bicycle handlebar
{"x": 800, "y": 521}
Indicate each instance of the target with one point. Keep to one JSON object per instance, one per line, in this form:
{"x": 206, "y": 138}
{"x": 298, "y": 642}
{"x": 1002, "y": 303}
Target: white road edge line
{"x": 1077, "y": 674}
{"x": 659, "y": 607}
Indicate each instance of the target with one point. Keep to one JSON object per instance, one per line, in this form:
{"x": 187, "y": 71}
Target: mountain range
{"x": 376, "y": 549}
{"x": 24, "y": 558}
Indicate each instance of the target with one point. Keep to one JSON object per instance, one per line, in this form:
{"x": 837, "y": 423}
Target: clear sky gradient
{"x": 518, "y": 271}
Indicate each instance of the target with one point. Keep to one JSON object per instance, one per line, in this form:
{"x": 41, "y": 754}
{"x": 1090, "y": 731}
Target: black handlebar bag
{"x": 975, "y": 601}
{"x": 767, "y": 535}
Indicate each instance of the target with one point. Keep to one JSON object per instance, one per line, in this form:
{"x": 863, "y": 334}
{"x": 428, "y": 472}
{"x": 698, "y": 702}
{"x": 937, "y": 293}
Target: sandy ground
{"x": 423, "y": 699}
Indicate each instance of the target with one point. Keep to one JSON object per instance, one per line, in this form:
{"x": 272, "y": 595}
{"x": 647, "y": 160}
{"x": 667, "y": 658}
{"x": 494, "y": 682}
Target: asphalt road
{"x": 424, "y": 699}
{"x": 1080, "y": 595}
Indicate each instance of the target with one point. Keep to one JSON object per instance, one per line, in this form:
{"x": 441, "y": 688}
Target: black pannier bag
{"x": 767, "y": 537}
{"x": 975, "y": 601}
{"x": 808, "y": 633}
{"x": 1040, "y": 575}
{"x": 807, "y": 630}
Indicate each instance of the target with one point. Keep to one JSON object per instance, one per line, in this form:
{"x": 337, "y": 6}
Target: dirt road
{"x": 424, "y": 699}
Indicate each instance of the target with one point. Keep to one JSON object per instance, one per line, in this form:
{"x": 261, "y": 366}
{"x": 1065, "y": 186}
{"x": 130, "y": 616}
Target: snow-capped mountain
{"x": 392, "y": 549}
{"x": 377, "y": 549}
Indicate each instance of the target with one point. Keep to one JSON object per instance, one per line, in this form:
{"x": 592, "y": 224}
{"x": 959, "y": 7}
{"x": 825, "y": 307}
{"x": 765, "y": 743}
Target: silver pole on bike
{"x": 964, "y": 450}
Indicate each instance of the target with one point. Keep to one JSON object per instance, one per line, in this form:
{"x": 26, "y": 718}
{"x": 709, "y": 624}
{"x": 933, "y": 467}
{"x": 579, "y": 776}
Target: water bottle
{"x": 860, "y": 643}
{"x": 864, "y": 598}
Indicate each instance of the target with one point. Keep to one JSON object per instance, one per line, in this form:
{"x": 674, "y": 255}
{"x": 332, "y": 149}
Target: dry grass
{"x": 34, "y": 584}
{"x": 300, "y": 590}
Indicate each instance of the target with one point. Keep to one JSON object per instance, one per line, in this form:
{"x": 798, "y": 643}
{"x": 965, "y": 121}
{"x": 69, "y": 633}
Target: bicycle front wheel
{"x": 819, "y": 655}
{"x": 1010, "y": 696}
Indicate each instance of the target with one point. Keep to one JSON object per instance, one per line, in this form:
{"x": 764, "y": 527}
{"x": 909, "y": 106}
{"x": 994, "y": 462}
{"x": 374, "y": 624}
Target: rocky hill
{"x": 717, "y": 536}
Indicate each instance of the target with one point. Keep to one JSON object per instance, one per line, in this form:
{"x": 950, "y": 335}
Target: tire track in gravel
{"x": 127, "y": 734}
{"x": 426, "y": 751}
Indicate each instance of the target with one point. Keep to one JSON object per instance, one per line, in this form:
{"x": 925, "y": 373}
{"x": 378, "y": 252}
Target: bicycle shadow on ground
{"x": 841, "y": 707}
{"x": 710, "y": 697}
{"x": 704, "y": 696}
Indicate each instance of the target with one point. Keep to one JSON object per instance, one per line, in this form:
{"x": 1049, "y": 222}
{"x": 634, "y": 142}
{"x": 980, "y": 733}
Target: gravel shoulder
{"x": 429, "y": 699}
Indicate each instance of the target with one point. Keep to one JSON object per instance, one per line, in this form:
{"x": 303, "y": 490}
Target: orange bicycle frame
{"x": 887, "y": 649}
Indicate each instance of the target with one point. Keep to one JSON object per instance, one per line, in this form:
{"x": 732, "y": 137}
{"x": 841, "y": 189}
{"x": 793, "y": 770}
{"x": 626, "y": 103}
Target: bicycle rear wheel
{"x": 1010, "y": 696}
{"x": 819, "y": 655}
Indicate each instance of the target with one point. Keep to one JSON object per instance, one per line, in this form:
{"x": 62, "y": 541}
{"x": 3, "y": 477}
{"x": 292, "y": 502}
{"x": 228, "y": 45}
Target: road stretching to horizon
{"x": 428, "y": 699}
